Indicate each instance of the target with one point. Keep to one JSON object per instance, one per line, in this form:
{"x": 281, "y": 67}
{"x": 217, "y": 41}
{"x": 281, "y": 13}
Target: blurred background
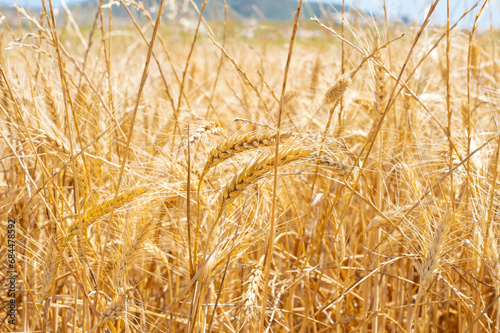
{"x": 282, "y": 10}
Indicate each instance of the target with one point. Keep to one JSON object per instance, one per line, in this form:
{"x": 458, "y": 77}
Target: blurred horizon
{"x": 399, "y": 10}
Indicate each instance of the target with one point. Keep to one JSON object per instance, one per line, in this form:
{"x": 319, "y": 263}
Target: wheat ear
{"x": 314, "y": 77}
{"x": 49, "y": 269}
{"x": 240, "y": 144}
{"x": 105, "y": 206}
{"x": 381, "y": 87}
{"x": 51, "y": 102}
{"x": 430, "y": 262}
{"x": 133, "y": 245}
{"x": 366, "y": 104}
{"x": 210, "y": 128}
{"x": 251, "y": 173}
{"x": 330, "y": 162}
{"x": 338, "y": 89}
{"x": 250, "y": 298}
{"x": 116, "y": 309}
{"x": 49, "y": 273}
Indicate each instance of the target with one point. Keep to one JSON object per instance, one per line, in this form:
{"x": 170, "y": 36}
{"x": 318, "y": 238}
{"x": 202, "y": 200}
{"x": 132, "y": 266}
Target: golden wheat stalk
{"x": 262, "y": 165}
{"x": 330, "y": 162}
{"x": 240, "y": 144}
{"x": 105, "y": 206}
{"x": 430, "y": 262}
{"x": 210, "y": 128}
{"x": 49, "y": 269}
{"x": 132, "y": 245}
{"x": 250, "y": 299}
{"x": 315, "y": 77}
{"x": 381, "y": 90}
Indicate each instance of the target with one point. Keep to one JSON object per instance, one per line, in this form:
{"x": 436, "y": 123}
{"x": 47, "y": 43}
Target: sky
{"x": 418, "y": 9}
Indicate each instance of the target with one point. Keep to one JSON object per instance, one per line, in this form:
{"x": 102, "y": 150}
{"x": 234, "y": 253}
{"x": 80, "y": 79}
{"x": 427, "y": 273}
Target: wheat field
{"x": 217, "y": 176}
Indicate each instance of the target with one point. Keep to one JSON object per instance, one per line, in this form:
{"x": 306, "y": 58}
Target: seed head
{"x": 337, "y": 89}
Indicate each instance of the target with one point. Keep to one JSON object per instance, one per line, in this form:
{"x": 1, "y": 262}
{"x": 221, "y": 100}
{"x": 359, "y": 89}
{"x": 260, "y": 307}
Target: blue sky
{"x": 417, "y": 9}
